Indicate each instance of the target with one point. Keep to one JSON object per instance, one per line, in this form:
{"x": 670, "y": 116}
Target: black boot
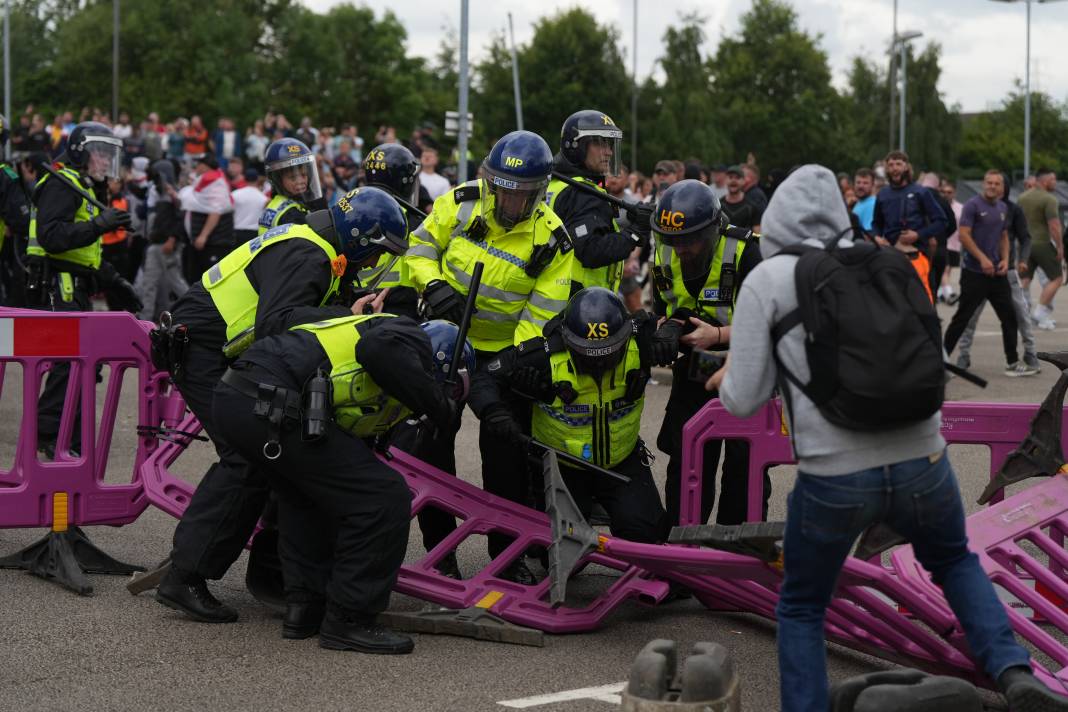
{"x": 347, "y": 631}
{"x": 302, "y": 619}
{"x": 517, "y": 572}
{"x": 189, "y": 594}
{"x": 448, "y": 566}
{"x": 1026, "y": 693}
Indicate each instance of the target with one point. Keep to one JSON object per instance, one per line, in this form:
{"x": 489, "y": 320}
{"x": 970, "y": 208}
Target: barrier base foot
{"x": 756, "y": 539}
{"x": 477, "y": 623}
{"x": 148, "y": 580}
{"x": 65, "y": 557}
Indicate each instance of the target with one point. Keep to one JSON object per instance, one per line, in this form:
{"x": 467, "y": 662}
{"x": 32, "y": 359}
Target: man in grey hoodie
{"x": 848, "y": 480}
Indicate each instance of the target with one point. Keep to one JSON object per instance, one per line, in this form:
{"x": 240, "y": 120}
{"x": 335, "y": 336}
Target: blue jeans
{"x": 918, "y": 499}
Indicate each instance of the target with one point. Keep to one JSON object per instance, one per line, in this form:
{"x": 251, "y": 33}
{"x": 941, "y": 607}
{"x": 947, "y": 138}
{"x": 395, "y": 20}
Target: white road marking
{"x": 604, "y": 693}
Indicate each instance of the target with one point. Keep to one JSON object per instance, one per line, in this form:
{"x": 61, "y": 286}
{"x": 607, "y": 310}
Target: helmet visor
{"x": 296, "y": 178}
{"x": 597, "y": 356}
{"x": 514, "y": 199}
{"x": 104, "y": 157}
{"x": 385, "y": 240}
{"x": 695, "y": 251}
{"x": 603, "y": 150}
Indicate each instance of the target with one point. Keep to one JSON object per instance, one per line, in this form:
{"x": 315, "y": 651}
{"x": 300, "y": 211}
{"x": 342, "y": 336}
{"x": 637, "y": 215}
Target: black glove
{"x": 124, "y": 294}
{"x": 638, "y": 214}
{"x": 443, "y": 302}
{"x": 666, "y": 342}
{"x": 111, "y": 219}
{"x": 530, "y": 382}
{"x": 498, "y": 421}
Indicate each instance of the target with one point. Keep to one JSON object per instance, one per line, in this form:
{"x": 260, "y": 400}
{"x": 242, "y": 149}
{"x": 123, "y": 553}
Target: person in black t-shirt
{"x": 740, "y": 212}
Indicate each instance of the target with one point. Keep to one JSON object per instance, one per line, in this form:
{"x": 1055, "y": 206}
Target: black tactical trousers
{"x": 343, "y": 515}
{"x": 50, "y": 403}
{"x": 231, "y": 496}
{"x": 687, "y": 397}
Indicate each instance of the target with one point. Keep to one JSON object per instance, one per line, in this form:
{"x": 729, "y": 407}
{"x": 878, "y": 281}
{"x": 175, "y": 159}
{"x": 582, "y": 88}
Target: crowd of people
{"x": 317, "y": 295}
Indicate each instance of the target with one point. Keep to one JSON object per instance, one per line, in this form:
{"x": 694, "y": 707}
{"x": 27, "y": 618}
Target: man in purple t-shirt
{"x": 984, "y": 242}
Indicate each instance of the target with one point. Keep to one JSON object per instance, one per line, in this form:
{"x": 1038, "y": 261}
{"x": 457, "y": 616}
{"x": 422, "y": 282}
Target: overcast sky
{"x": 983, "y": 42}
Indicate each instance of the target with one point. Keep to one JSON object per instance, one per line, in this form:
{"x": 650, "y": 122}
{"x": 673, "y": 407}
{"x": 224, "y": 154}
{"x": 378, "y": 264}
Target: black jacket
{"x": 396, "y": 353}
{"x": 56, "y": 205}
{"x": 14, "y": 211}
{"x": 291, "y": 278}
{"x": 588, "y": 220}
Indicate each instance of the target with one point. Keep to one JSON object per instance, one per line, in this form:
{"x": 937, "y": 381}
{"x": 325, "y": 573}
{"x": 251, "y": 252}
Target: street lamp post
{"x": 902, "y": 41}
{"x": 1027, "y": 87}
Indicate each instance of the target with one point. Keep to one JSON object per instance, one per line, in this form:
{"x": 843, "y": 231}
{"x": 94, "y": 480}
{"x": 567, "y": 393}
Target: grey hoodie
{"x": 807, "y": 207}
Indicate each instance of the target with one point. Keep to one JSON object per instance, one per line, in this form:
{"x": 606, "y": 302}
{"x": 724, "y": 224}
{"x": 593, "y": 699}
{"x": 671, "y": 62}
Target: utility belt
{"x": 284, "y": 407}
{"x": 48, "y": 281}
{"x": 168, "y": 344}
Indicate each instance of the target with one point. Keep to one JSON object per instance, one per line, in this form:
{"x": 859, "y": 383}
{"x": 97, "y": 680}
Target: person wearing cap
{"x": 295, "y": 186}
{"x": 211, "y": 219}
{"x": 664, "y": 176}
{"x": 718, "y": 180}
{"x": 502, "y": 221}
{"x": 700, "y": 262}
{"x": 160, "y": 281}
{"x": 284, "y": 277}
{"x": 590, "y": 144}
{"x": 739, "y": 211}
{"x": 584, "y": 381}
{"x": 249, "y": 203}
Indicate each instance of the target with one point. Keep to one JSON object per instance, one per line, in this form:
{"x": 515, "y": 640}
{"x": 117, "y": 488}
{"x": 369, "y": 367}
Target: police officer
{"x": 64, "y": 252}
{"x": 699, "y": 264}
{"x": 502, "y": 221}
{"x": 299, "y": 406}
{"x": 587, "y": 380}
{"x": 295, "y": 186}
{"x": 284, "y": 277}
{"x": 393, "y": 168}
{"x": 14, "y": 224}
{"x": 590, "y": 146}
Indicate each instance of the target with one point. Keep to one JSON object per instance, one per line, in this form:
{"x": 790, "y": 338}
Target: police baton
{"x": 618, "y": 202}
{"x": 578, "y": 461}
{"x": 453, "y": 378}
{"x": 66, "y": 181}
{"x": 408, "y": 206}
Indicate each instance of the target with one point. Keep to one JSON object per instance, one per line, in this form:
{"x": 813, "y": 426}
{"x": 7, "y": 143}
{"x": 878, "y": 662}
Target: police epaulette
{"x": 563, "y": 240}
{"x": 465, "y": 193}
{"x": 553, "y": 335}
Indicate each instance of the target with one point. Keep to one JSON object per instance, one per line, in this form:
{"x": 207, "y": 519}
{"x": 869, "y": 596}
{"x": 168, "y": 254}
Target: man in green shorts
{"x": 1040, "y": 208}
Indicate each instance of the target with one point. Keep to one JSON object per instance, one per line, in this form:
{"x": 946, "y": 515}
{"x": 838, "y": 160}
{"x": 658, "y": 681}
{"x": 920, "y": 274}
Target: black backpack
{"x": 873, "y": 340}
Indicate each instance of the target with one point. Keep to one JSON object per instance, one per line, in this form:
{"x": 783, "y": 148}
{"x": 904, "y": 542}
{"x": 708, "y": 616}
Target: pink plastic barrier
{"x": 32, "y": 490}
{"x": 1001, "y": 426}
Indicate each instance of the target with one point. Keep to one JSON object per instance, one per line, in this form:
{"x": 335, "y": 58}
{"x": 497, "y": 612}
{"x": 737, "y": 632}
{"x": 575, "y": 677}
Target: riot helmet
{"x": 291, "y": 170}
{"x": 590, "y": 140}
{"x": 364, "y": 223}
{"x": 596, "y": 329}
{"x": 395, "y": 168}
{"x": 94, "y": 150}
{"x": 688, "y": 219}
{"x": 443, "y": 335}
{"x": 517, "y": 172}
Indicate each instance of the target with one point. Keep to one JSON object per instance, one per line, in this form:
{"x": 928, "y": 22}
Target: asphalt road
{"x": 112, "y": 651}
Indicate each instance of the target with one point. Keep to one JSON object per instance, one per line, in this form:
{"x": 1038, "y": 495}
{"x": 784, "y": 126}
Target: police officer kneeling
{"x": 297, "y": 405}
{"x": 587, "y": 379}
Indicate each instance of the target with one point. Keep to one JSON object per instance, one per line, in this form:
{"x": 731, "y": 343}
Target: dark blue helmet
{"x": 95, "y": 150}
{"x": 395, "y": 168}
{"x": 596, "y": 328}
{"x": 365, "y": 223}
{"x": 688, "y": 219}
{"x": 443, "y": 335}
{"x": 591, "y": 127}
{"x": 517, "y": 171}
{"x": 290, "y": 168}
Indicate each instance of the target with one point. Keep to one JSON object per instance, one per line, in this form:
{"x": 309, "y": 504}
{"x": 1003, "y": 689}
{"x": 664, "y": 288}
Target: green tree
{"x": 996, "y": 139}
{"x": 681, "y": 119}
{"x": 571, "y": 63}
{"x": 867, "y": 102}
{"x": 773, "y": 84}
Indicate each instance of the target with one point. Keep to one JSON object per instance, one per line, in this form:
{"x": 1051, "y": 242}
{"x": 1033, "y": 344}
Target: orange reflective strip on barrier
{"x": 59, "y": 512}
{"x": 29, "y": 336}
{"x": 489, "y": 599}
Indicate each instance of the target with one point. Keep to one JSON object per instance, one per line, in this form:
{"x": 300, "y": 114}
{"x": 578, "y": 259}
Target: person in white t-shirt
{"x": 435, "y": 183}
{"x": 249, "y": 202}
